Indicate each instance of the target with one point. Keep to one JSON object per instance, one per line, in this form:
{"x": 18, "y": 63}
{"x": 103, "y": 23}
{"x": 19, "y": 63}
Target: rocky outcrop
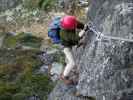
{"x": 7, "y": 4}
{"x": 106, "y": 65}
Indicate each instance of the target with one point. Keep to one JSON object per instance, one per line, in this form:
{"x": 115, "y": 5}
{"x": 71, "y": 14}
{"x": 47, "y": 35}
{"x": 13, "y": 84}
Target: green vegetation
{"x": 47, "y": 4}
{"x": 18, "y": 77}
{"x": 43, "y": 4}
{"x": 22, "y": 39}
{"x": 18, "y": 67}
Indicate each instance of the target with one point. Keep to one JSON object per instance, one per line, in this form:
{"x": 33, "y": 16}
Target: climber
{"x": 62, "y": 31}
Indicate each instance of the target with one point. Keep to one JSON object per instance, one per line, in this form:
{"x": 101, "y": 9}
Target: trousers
{"x": 70, "y": 61}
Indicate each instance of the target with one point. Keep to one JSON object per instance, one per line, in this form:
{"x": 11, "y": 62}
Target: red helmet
{"x": 69, "y": 22}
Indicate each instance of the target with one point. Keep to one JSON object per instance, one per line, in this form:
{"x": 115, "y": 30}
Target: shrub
{"x": 18, "y": 77}
{"x": 43, "y": 4}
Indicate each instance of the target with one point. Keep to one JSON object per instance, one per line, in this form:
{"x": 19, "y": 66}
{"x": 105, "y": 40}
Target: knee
{"x": 72, "y": 63}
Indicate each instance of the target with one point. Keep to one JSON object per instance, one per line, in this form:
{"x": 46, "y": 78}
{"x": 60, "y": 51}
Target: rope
{"x": 102, "y": 36}
{"x": 118, "y": 38}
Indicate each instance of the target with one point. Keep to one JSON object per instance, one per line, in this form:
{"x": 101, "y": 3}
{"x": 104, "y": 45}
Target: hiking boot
{"x": 77, "y": 94}
{"x": 66, "y": 80}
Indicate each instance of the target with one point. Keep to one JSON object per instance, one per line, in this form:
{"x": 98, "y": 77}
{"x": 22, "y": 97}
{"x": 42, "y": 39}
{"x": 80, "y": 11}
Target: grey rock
{"x": 106, "y": 65}
{"x": 56, "y": 70}
{"x": 51, "y": 56}
{"x": 33, "y": 98}
{"x": 7, "y": 4}
{"x": 64, "y": 92}
{"x": 1, "y": 40}
{"x": 43, "y": 69}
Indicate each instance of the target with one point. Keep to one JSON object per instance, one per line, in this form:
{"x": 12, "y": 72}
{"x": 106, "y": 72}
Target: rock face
{"x": 106, "y": 65}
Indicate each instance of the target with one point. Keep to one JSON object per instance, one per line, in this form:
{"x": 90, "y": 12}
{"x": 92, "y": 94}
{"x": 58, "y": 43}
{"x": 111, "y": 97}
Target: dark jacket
{"x": 70, "y": 37}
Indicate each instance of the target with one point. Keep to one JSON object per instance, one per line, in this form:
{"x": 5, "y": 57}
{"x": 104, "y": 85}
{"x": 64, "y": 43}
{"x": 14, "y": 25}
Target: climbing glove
{"x": 82, "y": 36}
{"x": 82, "y": 32}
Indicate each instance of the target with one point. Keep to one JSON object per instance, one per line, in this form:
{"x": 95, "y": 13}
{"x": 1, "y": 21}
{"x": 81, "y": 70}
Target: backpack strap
{"x": 54, "y": 29}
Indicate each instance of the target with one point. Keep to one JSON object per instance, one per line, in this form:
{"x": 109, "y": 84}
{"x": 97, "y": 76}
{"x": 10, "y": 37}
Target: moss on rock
{"x": 17, "y": 75}
{"x": 21, "y": 40}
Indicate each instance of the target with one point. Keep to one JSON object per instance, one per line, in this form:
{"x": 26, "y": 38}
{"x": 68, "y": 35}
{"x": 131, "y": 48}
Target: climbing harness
{"x": 100, "y": 36}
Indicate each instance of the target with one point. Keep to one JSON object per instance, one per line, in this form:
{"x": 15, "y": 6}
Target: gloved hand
{"x": 81, "y": 42}
{"x": 81, "y": 33}
{"x": 86, "y": 27}
{"x": 82, "y": 36}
